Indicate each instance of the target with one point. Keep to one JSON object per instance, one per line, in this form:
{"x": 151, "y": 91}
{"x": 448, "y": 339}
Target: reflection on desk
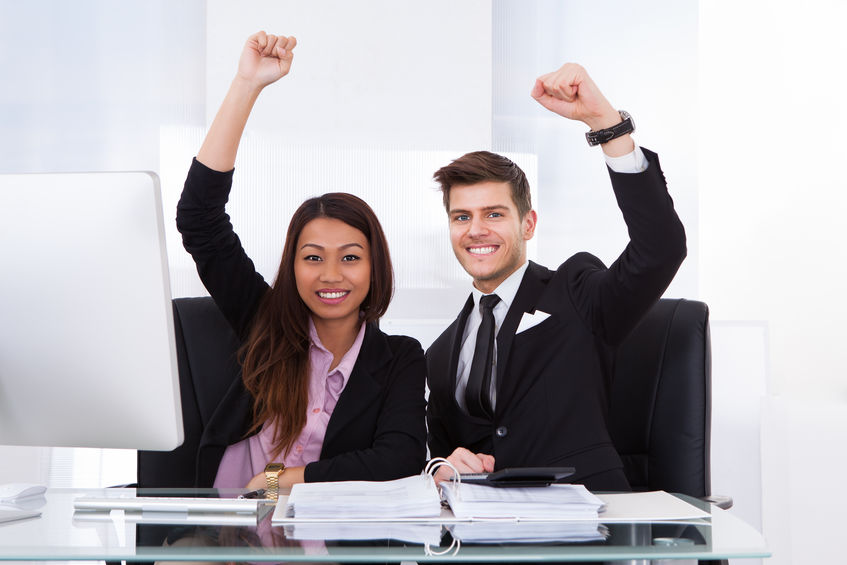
{"x": 15, "y": 514}
{"x": 529, "y": 532}
{"x": 59, "y": 535}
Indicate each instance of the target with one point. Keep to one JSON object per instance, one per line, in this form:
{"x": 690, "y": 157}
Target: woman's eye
{"x": 350, "y": 258}
{"x": 312, "y": 258}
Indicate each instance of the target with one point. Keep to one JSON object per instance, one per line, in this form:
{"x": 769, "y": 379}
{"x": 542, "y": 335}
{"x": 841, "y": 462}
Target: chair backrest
{"x": 206, "y": 353}
{"x": 660, "y": 402}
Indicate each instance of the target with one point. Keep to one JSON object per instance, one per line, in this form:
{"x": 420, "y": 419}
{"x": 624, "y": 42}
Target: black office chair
{"x": 206, "y": 353}
{"x": 660, "y": 401}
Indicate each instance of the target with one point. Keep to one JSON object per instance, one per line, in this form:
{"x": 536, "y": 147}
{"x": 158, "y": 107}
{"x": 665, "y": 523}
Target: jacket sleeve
{"x": 207, "y": 234}
{"x": 398, "y": 446}
{"x": 613, "y": 300}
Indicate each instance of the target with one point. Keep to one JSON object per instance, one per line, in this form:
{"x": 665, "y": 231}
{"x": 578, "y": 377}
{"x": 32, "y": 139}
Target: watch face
{"x": 274, "y": 468}
{"x": 626, "y": 116}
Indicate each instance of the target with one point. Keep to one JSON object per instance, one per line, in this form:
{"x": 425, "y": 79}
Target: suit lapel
{"x": 362, "y": 387}
{"x": 455, "y": 341}
{"x": 531, "y": 288}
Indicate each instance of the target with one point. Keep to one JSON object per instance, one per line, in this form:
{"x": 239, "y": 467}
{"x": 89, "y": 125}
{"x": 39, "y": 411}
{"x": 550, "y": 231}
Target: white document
{"x": 554, "y": 502}
{"x": 657, "y": 506}
{"x": 410, "y": 497}
{"x": 416, "y": 499}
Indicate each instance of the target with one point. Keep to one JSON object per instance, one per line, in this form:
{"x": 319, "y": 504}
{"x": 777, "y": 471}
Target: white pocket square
{"x": 530, "y": 320}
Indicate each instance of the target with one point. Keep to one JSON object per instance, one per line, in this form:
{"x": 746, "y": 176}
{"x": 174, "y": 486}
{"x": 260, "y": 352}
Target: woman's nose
{"x": 330, "y": 272}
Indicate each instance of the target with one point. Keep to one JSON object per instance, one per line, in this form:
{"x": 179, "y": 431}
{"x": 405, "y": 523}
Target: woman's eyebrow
{"x": 321, "y": 247}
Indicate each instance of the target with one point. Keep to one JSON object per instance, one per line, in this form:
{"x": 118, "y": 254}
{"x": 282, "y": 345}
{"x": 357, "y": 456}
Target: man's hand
{"x": 266, "y": 58}
{"x": 571, "y": 93}
{"x": 465, "y": 461}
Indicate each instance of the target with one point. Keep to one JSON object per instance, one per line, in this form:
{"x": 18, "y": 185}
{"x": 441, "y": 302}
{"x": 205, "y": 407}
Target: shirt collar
{"x": 345, "y": 366}
{"x": 507, "y": 289}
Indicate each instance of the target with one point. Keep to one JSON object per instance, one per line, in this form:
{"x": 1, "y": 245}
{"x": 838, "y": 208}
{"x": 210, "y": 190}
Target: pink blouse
{"x": 247, "y": 458}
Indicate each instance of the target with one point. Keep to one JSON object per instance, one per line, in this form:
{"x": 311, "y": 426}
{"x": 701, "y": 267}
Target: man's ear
{"x": 530, "y": 220}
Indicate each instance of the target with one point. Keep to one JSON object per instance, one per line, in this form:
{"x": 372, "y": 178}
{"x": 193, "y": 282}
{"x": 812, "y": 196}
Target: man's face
{"x": 488, "y": 235}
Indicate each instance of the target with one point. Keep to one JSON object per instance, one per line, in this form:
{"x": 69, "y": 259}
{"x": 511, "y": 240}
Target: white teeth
{"x": 482, "y": 250}
{"x": 331, "y": 295}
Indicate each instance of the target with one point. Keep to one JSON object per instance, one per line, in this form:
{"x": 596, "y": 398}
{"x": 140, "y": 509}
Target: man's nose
{"x": 477, "y": 227}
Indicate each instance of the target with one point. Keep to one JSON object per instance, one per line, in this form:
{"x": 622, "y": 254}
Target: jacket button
{"x": 502, "y": 431}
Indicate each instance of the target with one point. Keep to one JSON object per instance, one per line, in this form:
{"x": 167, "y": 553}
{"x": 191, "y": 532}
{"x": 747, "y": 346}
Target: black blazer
{"x": 377, "y": 430}
{"x": 553, "y": 379}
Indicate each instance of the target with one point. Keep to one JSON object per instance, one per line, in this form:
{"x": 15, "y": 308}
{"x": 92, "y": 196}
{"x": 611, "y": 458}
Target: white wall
{"x": 772, "y": 202}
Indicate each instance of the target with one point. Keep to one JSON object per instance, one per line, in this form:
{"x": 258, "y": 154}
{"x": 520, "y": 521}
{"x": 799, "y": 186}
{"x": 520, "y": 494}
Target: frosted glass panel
{"x": 274, "y": 177}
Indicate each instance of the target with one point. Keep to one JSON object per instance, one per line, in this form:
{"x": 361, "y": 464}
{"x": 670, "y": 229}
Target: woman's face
{"x": 332, "y": 268}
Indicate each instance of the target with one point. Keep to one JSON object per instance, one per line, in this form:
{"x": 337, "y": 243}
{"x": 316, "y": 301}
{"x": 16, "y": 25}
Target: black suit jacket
{"x": 553, "y": 379}
{"x": 377, "y": 430}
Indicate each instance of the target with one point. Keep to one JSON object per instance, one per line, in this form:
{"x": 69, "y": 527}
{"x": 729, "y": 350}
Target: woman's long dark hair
{"x": 275, "y": 357}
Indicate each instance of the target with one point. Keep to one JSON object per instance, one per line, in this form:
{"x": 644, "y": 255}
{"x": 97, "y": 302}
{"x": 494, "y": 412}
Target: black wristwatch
{"x": 605, "y": 135}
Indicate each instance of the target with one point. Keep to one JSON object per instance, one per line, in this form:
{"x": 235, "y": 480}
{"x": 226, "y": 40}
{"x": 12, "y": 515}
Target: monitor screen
{"x": 87, "y": 351}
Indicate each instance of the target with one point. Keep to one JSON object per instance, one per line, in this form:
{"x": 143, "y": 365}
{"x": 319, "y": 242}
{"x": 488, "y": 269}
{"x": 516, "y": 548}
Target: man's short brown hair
{"x": 483, "y": 166}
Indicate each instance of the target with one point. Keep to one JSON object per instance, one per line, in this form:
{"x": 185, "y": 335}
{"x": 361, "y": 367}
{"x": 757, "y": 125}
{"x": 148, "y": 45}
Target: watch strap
{"x": 272, "y": 474}
{"x": 608, "y": 134}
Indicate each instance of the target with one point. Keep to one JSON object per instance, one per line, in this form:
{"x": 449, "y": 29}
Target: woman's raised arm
{"x": 264, "y": 60}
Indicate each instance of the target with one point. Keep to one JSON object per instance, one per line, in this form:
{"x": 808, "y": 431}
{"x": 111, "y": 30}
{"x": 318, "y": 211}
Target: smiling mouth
{"x": 332, "y": 294}
{"x": 486, "y": 250}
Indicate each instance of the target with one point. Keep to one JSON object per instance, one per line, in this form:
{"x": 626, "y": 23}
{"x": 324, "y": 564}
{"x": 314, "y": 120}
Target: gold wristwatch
{"x": 272, "y": 473}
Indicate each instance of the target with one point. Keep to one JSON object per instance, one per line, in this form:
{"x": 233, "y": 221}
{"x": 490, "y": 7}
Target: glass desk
{"x": 62, "y": 534}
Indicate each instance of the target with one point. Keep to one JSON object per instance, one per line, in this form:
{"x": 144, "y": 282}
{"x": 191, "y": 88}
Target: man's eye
{"x": 495, "y": 215}
{"x": 462, "y": 218}
{"x": 350, "y": 258}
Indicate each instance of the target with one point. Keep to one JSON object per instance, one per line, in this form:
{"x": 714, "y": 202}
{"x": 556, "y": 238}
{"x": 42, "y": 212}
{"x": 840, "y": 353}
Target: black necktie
{"x": 477, "y": 393}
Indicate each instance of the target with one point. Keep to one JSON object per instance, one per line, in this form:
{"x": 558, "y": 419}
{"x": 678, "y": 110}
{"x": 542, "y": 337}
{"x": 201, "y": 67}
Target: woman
{"x": 333, "y": 397}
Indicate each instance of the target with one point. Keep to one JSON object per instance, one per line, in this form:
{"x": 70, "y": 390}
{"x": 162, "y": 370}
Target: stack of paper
{"x": 411, "y": 497}
{"x": 556, "y": 502}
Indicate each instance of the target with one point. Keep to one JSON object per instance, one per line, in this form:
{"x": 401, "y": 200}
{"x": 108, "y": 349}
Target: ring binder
{"x": 436, "y": 463}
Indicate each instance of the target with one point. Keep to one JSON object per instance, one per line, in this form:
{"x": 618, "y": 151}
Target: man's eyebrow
{"x": 321, "y": 247}
{"x": 496, "y": 207}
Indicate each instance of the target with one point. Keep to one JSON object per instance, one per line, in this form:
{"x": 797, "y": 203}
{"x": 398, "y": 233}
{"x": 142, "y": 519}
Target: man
{"x": 537, "y": 393}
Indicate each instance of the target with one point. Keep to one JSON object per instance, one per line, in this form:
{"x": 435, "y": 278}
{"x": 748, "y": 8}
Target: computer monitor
{"x": 87, "y": 349}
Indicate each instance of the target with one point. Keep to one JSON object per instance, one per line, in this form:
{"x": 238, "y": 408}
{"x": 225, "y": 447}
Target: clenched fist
{"x": 266, "y": 58}
{"x": 571, "y": 93}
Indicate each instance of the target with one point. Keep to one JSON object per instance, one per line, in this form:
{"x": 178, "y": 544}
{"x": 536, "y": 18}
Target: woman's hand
{"x": 266, "y": 58}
